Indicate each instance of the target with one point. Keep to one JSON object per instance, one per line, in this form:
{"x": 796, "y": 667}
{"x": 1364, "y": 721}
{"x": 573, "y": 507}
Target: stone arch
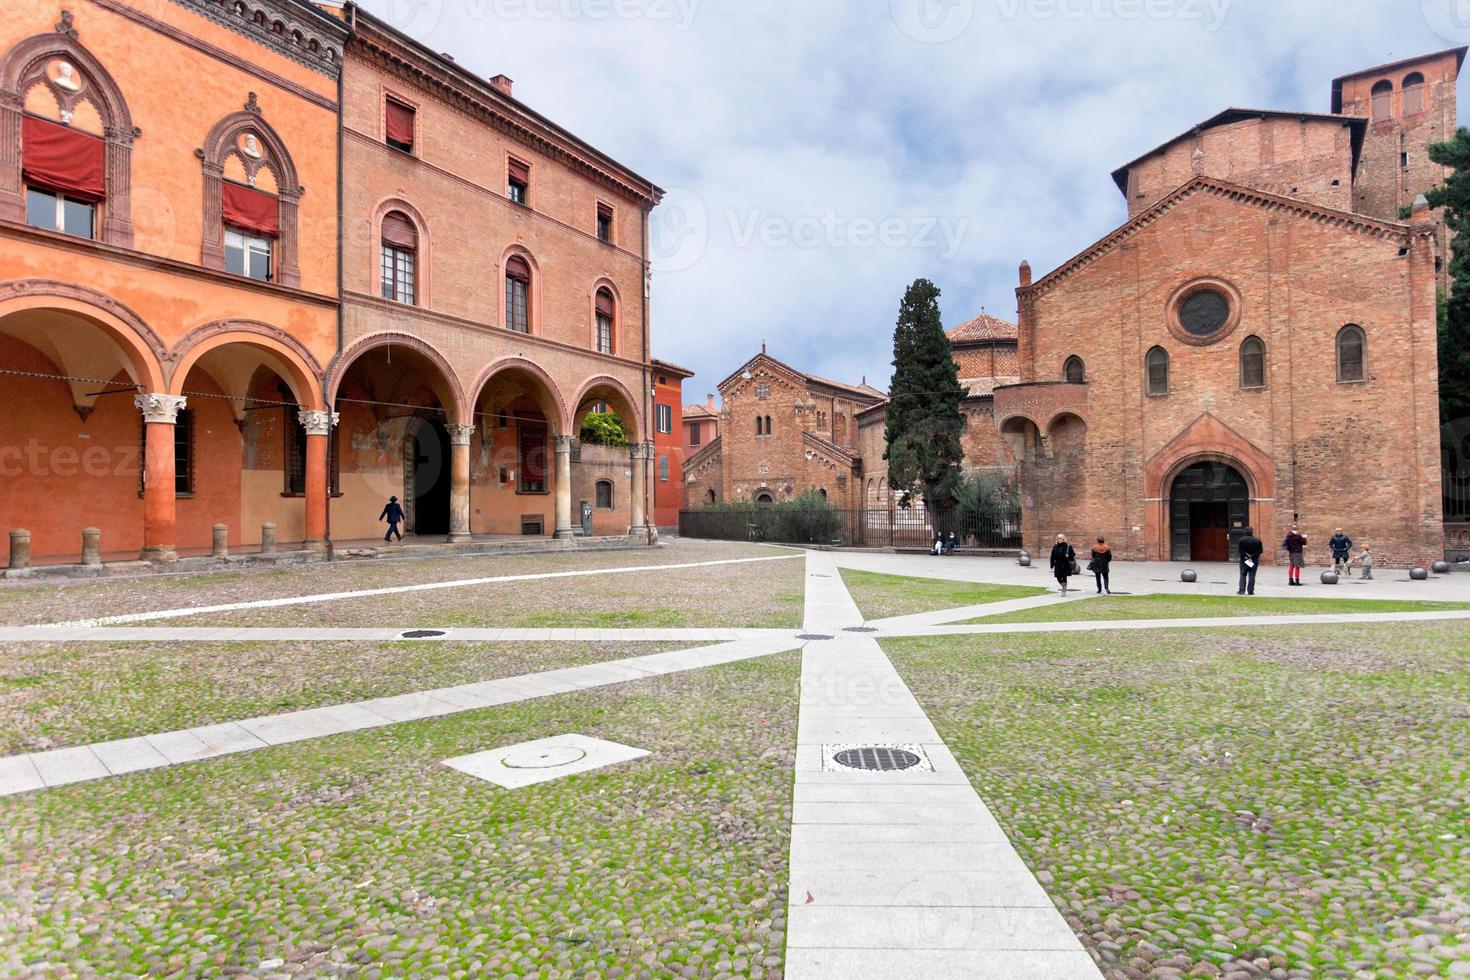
{"x": 423, "y": 250}
{"x": 1207, "y": 440}
{"x": 286, "y": 355}
{"x": 221, "y": 144}
{"x": 141, "y": 347}
{"x": 450, "y": 395}
{"x": 555, "y": 408}
{"x": 608, "y": 382}
{"x": 24, "y": 65}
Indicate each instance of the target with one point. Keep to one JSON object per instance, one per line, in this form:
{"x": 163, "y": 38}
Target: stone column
{"x": 459, "y": 482}
{"x": 160, "y": 414}
{"x": 563, "y": 446}
{"x": 638, "y": 457}
{"x": 91, "y": 546}
{"x": 318, "y": 427}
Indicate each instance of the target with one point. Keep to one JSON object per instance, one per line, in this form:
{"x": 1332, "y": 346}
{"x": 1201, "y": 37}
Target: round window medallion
{"x": 1204, "y": 313}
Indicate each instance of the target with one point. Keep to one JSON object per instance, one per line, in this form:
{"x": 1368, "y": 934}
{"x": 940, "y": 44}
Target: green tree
{"x": 924, "y": 422}
{"x": 604, "y": 429}
{"x": 1454, "y": 310}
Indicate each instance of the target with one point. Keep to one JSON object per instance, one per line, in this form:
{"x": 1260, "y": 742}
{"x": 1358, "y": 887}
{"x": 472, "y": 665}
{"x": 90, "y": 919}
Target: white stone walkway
{"x": 901, "y": 874}
{"x": 58, "y": 767}
{"x": 273, "y": 634}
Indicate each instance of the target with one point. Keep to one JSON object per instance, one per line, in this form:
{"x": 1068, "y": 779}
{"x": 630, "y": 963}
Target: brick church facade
{"x": 1256, "y": 344}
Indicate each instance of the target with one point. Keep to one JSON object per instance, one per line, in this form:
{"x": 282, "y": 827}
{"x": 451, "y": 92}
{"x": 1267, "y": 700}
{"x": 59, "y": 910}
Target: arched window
{"x": 1352, "y": 351}
{"x": 1414, "y": 94}
{"x": 709, "y": 496}
{"x": 604, "y": 494}
{"x": 1383, "y": 100}
{"x": 250, "y": 201}
{"x": 518, "y": 294}
{"x": 1158, "y": 371}
{"x": 400, "y": 247}
{"x": 768, "y": 425}
{"x": 68, "y": 165}
{"x": 604, "y": 321}
{"x": 1252, "y": 363}
{"x": 1074, "y": 371}
{"x": 764, "y": 498}
{"x": 760, "y": 425}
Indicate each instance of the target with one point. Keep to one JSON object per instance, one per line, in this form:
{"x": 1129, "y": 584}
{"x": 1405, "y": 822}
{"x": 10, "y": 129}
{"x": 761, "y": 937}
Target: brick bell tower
{"x": 1409, "y": 105}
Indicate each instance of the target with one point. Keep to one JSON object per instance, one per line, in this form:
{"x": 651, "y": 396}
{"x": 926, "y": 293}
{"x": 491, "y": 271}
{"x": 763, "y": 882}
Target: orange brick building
{"x": 782, "y": 433}
{"x": 1256, "y": 344}
{"x": 668, "y": 442}
{"x": 168, "y": 279}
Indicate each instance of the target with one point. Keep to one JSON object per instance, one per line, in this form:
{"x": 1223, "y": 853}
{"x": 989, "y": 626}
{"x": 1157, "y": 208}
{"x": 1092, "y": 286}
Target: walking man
{"x": 1296, "y": 548}
{"x": 1342, "y": 551}
{"x": 1251, "y": 549}
{"x": 393, "y": 514}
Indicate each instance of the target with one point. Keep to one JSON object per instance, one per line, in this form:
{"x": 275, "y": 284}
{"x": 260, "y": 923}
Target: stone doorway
{"x": 426, "y": 477}
{"x": 1209, "y": 509}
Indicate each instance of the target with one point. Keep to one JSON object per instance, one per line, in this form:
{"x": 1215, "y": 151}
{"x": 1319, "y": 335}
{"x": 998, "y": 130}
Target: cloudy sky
{"x": 821, "y": 154}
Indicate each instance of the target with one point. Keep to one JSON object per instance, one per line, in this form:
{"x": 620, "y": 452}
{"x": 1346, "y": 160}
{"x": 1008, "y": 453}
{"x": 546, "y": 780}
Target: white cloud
{"x": 809, "y": 115}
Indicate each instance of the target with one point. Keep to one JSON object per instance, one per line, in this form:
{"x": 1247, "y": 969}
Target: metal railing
{"x": 868, "y": 527}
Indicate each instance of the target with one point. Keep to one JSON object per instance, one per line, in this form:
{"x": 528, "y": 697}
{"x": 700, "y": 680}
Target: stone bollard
{"x": 220, "y": 547}
{"x": 1024, "y": 559}
{"x": 1329, "y": 577}
{"x": 1441, "y": 567}
{"x": 267, "y": 538}
{"x": 20, "y": 548}
{"x": 1189, "y": 575}
{"x": 91, "y": 546}
{"x": 1419, "y": 574}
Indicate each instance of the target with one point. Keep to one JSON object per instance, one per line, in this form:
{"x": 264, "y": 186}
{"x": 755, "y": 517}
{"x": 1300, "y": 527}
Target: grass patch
{"x": 1198, "y": 800}
{"x": 1111, "y": 607}
{"x": 362, "y": 854}
{"x": 880, "y": 596}
{"x": 54, "y": 695}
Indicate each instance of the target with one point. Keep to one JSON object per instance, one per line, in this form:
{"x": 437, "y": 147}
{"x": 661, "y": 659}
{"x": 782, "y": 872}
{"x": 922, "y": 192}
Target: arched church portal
{"x": 1209, "y": 510}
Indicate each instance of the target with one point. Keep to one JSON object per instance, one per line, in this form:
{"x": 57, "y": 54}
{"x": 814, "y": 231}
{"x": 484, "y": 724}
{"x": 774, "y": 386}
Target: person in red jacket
{"x": 1296, "y": 549}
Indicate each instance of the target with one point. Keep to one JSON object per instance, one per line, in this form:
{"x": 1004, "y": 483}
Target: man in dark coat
{"x": 393, "y": 514}
{"x": 1342, "y": 551}
{"x": 1251, "y": 549}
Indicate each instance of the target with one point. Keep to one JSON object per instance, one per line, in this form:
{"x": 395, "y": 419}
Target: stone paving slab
{"x": 939, "y": 964}
{"x": 939, "y": 617}
{"x": 1001, "y": 887}
{"x": 989, "y": 927}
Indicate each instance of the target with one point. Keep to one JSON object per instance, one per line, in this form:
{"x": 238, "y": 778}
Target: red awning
{"x": 249, "y": 209}
{"x": 604, "y": 303}
{"x": 399, "y": 232}
{"x": 63, "y": 159}
{"x": 519, "y": 172}
{"x": 516, "y": 268}
{"x": 400, "y": 122}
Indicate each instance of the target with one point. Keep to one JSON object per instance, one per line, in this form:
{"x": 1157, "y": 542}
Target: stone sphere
{"x": 1025, "y": 559}
{"x": 1419, "y": 574}
{"x": 1188, "y": 575}
{"x": 1441, "y": 568}
{"x": 1329, "y": 577}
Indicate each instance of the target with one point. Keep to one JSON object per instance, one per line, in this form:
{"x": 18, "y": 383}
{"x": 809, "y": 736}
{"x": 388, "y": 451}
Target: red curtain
{"x": 400, "y": 123}
{"x": 516, "y": 268}
{"x": 519, "y": 172}
{"x": 604, "y": 303}
{"x": 249, "y": 209}
{"x": 399, "y": 232}
{"x": 63, "y": 159}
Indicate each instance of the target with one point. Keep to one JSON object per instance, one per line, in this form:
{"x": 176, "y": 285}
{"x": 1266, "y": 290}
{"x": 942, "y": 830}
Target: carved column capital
{"x": 460, "y": 434}
{"x": 318, "y": 423}
{"x": 640, "y": 450}
{"x": 163, "y": 409}
{"x": 562, "y": 443}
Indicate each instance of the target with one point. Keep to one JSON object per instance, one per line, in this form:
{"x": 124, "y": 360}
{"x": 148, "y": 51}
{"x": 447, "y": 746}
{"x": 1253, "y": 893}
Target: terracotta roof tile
{"x": 983, "y": 327}
{"x": 985, "y": 387}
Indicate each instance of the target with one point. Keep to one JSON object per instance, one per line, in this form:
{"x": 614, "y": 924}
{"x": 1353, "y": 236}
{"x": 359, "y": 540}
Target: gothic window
{"x": 400, "y": 244}
{"x": 1074, "y": 371}
{"x": 251, "y": 198}
{"x": 1414, "y": 94}
{"x": 518, "y": 294}
{"x": 1158, "y": 371}
{"x": 1351, "y": 354}
{"x": 604, "y": 321}
{"x": 1253, "y": 363}
{"x": 1382, "y": 100}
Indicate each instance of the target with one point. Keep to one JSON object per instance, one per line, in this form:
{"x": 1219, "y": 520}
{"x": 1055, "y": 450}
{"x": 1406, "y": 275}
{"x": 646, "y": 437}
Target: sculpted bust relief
{"x": 63, "y": 75}
{"x": 250, "y": 146}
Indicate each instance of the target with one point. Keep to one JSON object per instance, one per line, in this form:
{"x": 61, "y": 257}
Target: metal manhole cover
{"x": 813, "y": 636}
{"x": 859, "y": 629}
{"x": 877, "y": 758}
{"x": 420, "y": 634}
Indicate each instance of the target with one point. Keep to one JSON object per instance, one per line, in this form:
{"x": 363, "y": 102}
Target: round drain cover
{"x": 813, "y": 636}
{"x": 544, "y": 758}
{"x": 876, "y": 757}
{"x": 421, "y": 634}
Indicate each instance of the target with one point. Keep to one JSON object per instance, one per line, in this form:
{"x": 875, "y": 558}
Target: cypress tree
{"x": 924, "y": 423}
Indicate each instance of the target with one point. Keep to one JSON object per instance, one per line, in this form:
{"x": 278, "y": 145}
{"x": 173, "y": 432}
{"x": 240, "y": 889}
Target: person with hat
{"x": 393, "y": 514}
